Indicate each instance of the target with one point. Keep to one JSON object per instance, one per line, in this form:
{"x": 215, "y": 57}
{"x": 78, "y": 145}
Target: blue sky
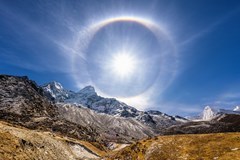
{"x": 183, "y": 54}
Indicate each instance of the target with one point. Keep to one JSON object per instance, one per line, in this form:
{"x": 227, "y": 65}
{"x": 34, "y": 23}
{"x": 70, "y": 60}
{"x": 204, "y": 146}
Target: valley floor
{"x": 217, "y": 146}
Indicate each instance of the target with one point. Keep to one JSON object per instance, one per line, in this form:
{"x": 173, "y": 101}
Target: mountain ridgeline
{"x": 83, "y": 115}
{"x": 86, "y": 123}
{"x": 148, "y": 123}
{"x": 124, "y": 123}
{"x": 88, "y": 98}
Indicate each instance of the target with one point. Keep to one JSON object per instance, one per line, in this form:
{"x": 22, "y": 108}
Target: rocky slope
{"x": 21, "y": 143}
{"x": 111, "y": 128}
{"x": 23, "y": 103}
{"x": 21, "y": 96}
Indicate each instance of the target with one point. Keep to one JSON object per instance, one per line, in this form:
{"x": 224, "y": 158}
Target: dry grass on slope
{"x": 218, "y": 146}
{"x": 21, "y": 143}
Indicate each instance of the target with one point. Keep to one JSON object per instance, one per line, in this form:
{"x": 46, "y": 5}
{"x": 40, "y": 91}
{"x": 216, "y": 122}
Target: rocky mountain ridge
{"x": 24, "y": 103}
{"x": 211, "y": 120}
{"x": 87, "y": 97}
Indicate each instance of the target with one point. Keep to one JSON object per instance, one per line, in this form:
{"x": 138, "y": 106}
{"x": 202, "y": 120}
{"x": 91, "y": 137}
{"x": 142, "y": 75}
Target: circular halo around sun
{"x": 165, "y": 72}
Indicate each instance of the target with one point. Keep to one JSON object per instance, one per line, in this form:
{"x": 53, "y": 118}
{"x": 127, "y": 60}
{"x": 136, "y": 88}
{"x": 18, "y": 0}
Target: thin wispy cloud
{"x": 65, "y": 47}
{"x": 210, "y": 28}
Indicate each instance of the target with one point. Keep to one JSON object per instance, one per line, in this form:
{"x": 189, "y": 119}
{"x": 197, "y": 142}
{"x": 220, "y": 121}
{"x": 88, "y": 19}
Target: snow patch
{"x": 81, "y": 152}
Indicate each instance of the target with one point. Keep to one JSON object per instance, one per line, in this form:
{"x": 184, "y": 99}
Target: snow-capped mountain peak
{"x": 209, "y": 113}
{"x": 55, "y": 90}
{"x": 54, "y": 86}
{"x": 237, "y": 108}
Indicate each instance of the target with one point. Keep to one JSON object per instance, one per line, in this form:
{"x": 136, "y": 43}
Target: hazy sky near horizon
{"x": 175, "y": 56}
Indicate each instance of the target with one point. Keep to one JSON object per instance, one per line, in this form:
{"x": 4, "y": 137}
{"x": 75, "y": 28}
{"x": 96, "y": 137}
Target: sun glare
{"x": 123, "y": 64}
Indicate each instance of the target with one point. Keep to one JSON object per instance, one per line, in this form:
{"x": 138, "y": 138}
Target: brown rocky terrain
{"x": 21, "y": 143}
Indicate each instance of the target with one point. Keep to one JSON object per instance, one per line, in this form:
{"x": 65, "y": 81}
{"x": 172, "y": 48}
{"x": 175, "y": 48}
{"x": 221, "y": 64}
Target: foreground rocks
{"x": 21, "y": 143}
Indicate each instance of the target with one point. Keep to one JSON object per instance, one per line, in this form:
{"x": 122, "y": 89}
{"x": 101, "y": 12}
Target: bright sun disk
{"x": 123, "y": 64}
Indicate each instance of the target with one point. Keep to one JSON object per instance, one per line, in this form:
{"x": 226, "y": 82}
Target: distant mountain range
{"x": 159, "y": 123}
{"x": 211, "y": 120}
{"x": 100, "y": 121}
{"x": 210, "y": 113}
{"x": 88, "y": 98}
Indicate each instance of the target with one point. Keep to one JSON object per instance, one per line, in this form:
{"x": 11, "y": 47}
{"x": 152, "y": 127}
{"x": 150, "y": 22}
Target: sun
{"x": 123, "y": 64}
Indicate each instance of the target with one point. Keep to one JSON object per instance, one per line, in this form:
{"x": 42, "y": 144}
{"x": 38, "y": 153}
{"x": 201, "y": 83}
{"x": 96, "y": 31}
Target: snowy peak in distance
{"x": 237, "y": 108}
{"x": 209, "y": 113}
